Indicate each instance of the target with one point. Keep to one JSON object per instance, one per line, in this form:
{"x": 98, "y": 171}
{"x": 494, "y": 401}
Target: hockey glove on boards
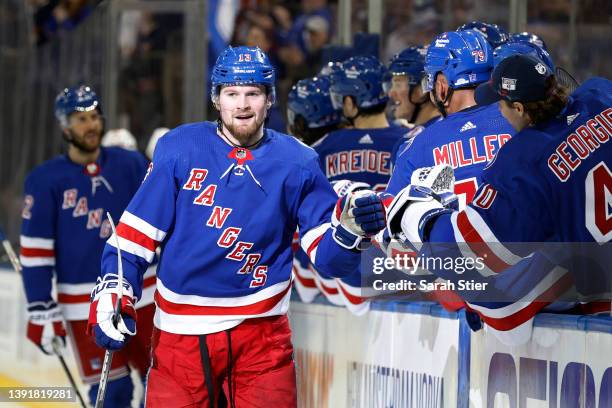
{"x": 111, "y": 333}
{"x": 429, "y": 195}
{"x": 46, "y": 327}
{"x": 357, "y": 215}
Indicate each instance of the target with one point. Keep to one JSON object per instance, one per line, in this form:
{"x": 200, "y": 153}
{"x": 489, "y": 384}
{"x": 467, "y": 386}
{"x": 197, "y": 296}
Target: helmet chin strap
{"x": 439, "y": 103}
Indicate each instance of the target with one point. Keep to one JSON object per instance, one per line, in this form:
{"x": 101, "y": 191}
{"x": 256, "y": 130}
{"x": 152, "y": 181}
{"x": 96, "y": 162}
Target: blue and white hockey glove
{"x": 111, "y": 334}
{"x": 357, "y": 215}
{"x": 429, "y": 195}
{"x": 46, "y": 327}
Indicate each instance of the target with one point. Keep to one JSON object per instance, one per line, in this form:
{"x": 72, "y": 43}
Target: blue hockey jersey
{"x": 467, "y": 140}
{"x": 404, "y": 142}
{"x": 549, "y": 186}
{"x": 359, "y": 154}
{"x": 225, "y": 218}
{"x": 64, "y": 225}
{"x": 551, "y": 182}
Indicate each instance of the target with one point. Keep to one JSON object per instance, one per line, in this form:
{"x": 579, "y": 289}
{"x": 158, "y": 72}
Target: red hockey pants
{"x": 251, "y": 363}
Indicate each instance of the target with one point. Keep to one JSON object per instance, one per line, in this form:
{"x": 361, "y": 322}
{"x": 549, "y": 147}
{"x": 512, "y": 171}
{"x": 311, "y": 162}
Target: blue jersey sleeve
{"x": 37, "y": 239}
{"x": 510, "y": 207}
{"x": 314, "y": 221}
{"x": 146, "y": 220}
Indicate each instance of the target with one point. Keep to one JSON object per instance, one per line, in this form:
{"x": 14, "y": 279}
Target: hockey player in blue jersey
{"x": 412, "y": 105}
{"x": 469, "y": 136}
{"x": 550, "y": 183}
{"x": 362, "y": 153}
{"x": 310, "y": 113}
{"x": 223, "y": 200}
{"x": 63, "y": 233}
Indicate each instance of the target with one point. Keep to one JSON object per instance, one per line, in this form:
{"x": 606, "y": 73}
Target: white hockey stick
{"x": 56, "y": 340}
{"x": 108, "y": 355}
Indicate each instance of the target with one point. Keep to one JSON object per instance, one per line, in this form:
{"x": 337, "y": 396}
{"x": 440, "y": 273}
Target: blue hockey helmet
{"x": 521, "y": 47}
{"x": 364, "y": 78}
{"x": 529, "y": 37}
{"x": 310, "y": 99}
{"x": 78, "y": 99}
{"x": 409, "y": 62}
{"x": 243, "y": 66}
{"x": 494, "y": 34}
{"x": 330, "y": 68}
{"x": 464, "y": 57}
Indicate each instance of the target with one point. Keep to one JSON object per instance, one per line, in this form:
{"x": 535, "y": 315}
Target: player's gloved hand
{"x": 357, "y": 215}
{"x": 429, "y": 196}
{"x": 111, "y": 333}
{"x": 344, "y": 187}
{"x": 46, "y": 327}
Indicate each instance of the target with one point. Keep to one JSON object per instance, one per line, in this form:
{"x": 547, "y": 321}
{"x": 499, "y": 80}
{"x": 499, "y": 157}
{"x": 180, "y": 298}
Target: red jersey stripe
{"x": 252, "y": 309}
{"x": 478, "y": 245}
{"x": 132, "y": 234}
{"x": 37, "y": 252}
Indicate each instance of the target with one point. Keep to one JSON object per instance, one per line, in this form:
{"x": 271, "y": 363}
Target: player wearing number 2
{"x": 469, "y": 135}
{"x": 63, "y": 233}
{"x": 224, "y": 199}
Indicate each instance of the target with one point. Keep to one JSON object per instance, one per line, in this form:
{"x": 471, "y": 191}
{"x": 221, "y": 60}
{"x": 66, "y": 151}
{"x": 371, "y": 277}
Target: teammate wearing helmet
{"x": 224, "y": 199}
{"x": 309, "y": 110}
{"x": 363, "y": 152}
{"x": 529, "y": 37}
{"x": 514, "y": 47}
{"x": 494, "y": 34}
{"x": 63, "y": 233}
{"x": 412, "y": 105}
{"x": 469, "y": 136}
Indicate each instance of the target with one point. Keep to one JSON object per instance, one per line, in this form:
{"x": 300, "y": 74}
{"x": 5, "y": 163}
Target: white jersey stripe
{"x": 33, "y": 242}
{"x": 142, "y": 226}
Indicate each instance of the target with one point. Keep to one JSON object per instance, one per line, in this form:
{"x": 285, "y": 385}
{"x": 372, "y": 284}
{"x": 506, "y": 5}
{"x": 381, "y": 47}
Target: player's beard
{"x": 245, "y": 134}
{"x": 84, "y": 143}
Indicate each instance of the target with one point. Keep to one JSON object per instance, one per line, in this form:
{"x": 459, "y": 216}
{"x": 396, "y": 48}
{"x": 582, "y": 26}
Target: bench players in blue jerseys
{"x": 362, "y": 153}
{"x": 63, "y": 233}
{"x": 469, "y": 135}
{"x": 223, "y": 200}
{"x": 550, "y": 183}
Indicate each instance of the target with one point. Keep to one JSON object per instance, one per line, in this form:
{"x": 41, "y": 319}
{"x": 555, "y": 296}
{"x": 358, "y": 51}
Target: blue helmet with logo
{"x": 78, "y": 99}
{"x": 464, "y": 57}
{"x": 243, "y": 66}
{"x": 364, "y": 78}
{"x": 494, "y": 34}
{"x": 310, "y": 99}
{"x": 529, "y": 37}
{"x": 409, "y": 62}
{"x": 521, "y": 47}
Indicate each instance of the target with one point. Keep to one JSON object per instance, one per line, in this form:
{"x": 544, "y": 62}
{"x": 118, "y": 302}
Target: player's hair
{"x": 309, "y": 135}
{"x": 546, "y": 109}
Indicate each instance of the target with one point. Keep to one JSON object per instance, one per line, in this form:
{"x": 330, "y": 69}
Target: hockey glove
{"x": 344, "y": 187}
{"x": 111, "y": 333}
{"x": 46, "y": 327}
{"x": 358, "y": 215}
{"x": 429, "y": 196}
